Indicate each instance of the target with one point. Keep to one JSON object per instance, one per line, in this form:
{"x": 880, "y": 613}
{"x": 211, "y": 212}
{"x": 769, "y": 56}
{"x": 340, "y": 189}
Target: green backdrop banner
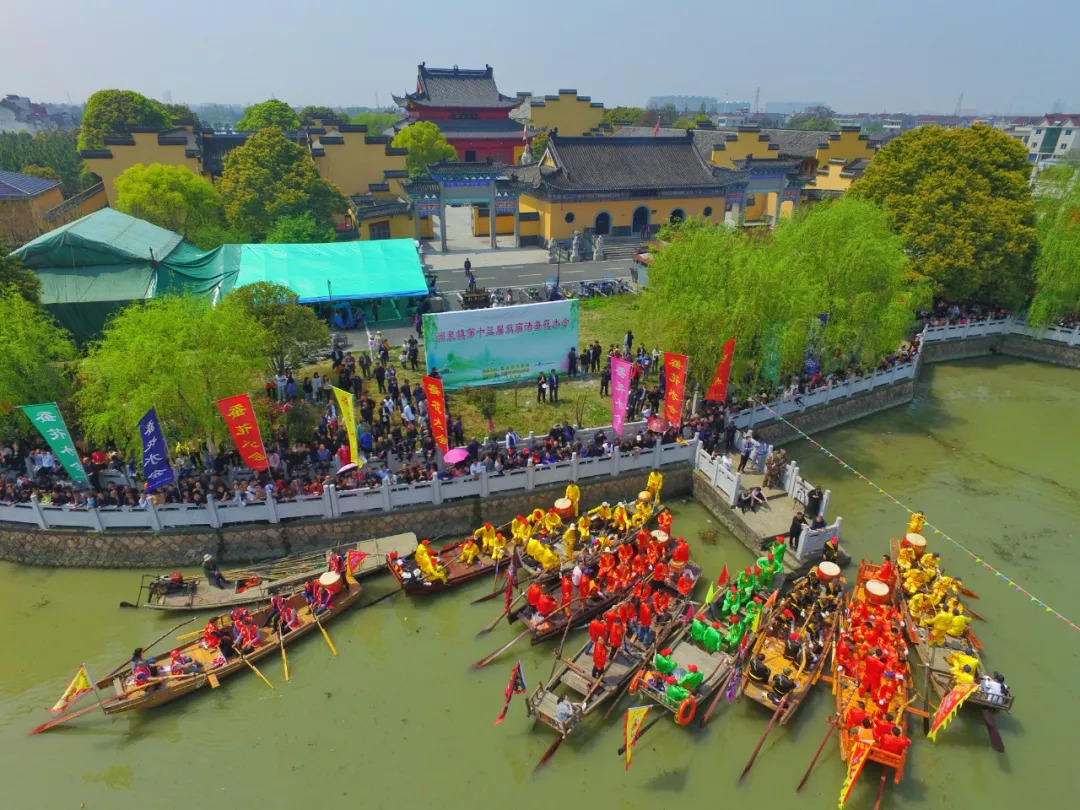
{"x": 46, "y": 418}
{"x": 501, "y": 344}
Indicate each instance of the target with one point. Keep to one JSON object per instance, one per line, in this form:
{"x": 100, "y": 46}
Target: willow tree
{"x": 1057, "y": 262}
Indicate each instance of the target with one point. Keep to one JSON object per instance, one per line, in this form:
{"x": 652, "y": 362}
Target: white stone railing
{"x": 1001, "y": 326}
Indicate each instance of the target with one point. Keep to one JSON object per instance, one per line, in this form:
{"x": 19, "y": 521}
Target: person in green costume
{"x": 730, "y": 605}
{"x": 752, "y": 610}
{"x": 698, "y": 627}
{"x": 675, "y": 694}
{"x": 713, "y": 639}
{"x": 662, "y": 662}
{"x": 778, "y": 552}
{"x": 744, "y": 579}
{"x": 734, "y": 635}
{"x": 692, "y": 679}
{"x": 764, "y": 566}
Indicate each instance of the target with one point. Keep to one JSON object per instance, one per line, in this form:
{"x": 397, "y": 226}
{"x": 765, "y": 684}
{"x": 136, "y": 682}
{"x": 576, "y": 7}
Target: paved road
{"x": 531, "y": 275}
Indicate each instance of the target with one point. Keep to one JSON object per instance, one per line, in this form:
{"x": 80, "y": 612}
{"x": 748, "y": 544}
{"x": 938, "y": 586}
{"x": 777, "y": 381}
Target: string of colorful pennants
{"x": 882, "y": 491}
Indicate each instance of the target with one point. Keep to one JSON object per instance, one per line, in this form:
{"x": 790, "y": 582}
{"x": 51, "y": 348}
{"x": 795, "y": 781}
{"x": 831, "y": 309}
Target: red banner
{"x": 950, "y": 705}
{"x": 436, "y": 404}
{"x": 718, "y": 387}
{"x": 240, "y": 418}
{"x": 675, "y": 369}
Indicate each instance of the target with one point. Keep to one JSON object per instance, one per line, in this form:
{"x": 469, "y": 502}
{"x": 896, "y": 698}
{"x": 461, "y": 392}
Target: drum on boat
{"x": 660, "y": 536}
{"x": 564, "y": 508}
{"x": 331, "y": 580}
{"x": 916, "y": 541}
{"x": 827, "y": 570}
{"x": 644, "y": 496}
{"x": 877, "y": 592}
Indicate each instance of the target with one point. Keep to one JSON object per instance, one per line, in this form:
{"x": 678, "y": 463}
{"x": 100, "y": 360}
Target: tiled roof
{"x": 641, "y": 132}
{"x": 797, "y": 143}
{"x": 15, "y": 186}
{"x": 457, "y": 87}
{"x": 602, "y": 164}
{"x": 855, "y": 168}
{"x": 480, "y": 128}
{"x": 367, "y": 208}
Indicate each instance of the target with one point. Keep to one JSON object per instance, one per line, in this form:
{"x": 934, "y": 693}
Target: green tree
{"x": 691, "y": 121}
{"x": 299, "y": 229}
{"x": 181, "y": 112}
{"x": 44, "y": 172}
{"x": 176, "y": 354}
{"x": 270, "y": 113}
{"x": 14, "y": 275}
{"x": 310, "y": 113}
{"x": 35, "y": 353}
{"x": 270, "y": 177}
{"x": 426, "y": 145}
{"x": 961, "y": 201}
{"x": 53, "y": 150}
{"x": 538, "y": 145}
{"x": 173, "y": 197}
{"x": 629, "y": 115}
{"x": 812, "y": 123}
{"x": 1057, "y": 263}
{"x": 294, "y": 334}
{"x": 375, "y": 121}
{"x": 874, "y": 129}
{"x": 116, "y": 112}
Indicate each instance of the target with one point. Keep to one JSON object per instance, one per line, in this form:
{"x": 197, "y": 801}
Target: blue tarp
{"x": 355, "y": 270}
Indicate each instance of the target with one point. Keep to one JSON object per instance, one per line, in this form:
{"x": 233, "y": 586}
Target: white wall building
{"x": 1052, "y": 138}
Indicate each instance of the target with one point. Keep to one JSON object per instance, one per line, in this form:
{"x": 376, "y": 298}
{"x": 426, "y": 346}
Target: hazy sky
{"x": 857, "y": 55}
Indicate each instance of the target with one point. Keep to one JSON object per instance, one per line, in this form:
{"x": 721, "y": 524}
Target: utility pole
{"x": 757, "y": 101}
{"x": 959, "y": 104}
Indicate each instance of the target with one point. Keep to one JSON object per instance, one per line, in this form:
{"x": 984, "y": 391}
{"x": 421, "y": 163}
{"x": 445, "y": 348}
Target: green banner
{"x": 46, "y": 418}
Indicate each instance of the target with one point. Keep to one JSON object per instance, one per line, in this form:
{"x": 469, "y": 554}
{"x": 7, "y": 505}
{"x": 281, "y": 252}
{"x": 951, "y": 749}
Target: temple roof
{"x": 15, "y": 186}
{"x": 457, "y": 87}
{"x": 603, "y": 164}
{"x": 788, "y": 143}
{"x": 481, "y": 128}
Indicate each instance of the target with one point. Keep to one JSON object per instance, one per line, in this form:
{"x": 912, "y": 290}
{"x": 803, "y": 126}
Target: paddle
{"x": 189, "y": 636}
{"x": 72, "y": 715}
{"x": 768, "y": 728}
{"x": 483, "y": 662}
{"x": 834, "y": 723}
{"x": 326, "y": 635}
{"x": 995, "y": 737}
{"x": 152, "y": 643}
{"x": 967, "y": 593}
{"x": 284, "y": 660}
{"x": 926, "y": 696}
{"x": 384, "y": 596}
{"x": 550, "y": 752}
{"x": 975, "y": 640}
{"x": 881, "y": 787}
{"x": 253, "y": 667}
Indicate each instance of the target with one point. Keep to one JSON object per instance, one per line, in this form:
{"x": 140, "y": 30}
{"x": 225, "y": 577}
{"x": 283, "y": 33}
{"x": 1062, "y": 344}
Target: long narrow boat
{"x": 935, "y": 657}
{"x": 247, "y": 586}
{"x": 846, "y": 680}
{"x": 124, "y": 696}
{"x": 806, "y": 669}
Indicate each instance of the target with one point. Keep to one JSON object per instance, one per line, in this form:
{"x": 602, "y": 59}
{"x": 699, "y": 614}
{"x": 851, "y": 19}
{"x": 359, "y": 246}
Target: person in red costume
{"x": 660, "y": 572}
{"x": 873, "y": 669}
{"x": 685, "y": 584}
{"x": 894, "y": 742}
{"x": 567, "y": 592}
{"x": 545, "y": 605}
{"x": 615, "y": 635}
{"x": 887, "y": 689}
{"x": 660, "y": 602}
{"x": 663, "y": 520}
{"x": 886, "y": 573}
{"x": 585, "y": 587}
{"x": 532, "y": 594}
{"x": 597, "y": 632}
{"x": 643, "y": 540}
{"x": 680, "y": 556}
{"x": 637, "y": 565}
{"x": 599, "y": 659}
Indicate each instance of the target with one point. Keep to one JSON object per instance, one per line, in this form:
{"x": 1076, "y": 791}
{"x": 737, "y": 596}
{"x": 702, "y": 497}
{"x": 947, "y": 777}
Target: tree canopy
{"x": 375, "y": 120}
{"x": 294, "y": 333}
{"x": 115, "y": 112}
{"x": 299, "y": 229}
{"x": 812, "y": 123}
{"x": 711, "y": 282}
{"x": 44, "y": 172}
{"x": 538, "y": 145}
{"x": 35, "y": 351}
{"x": 53, "y": 150}
{"x": 311, "y": 112}
{"x": 270, "y": 177}
{"x": 176, "y": 354}
{"x": 623, "y": 114}
{"x": 181, "y": 112}
{"x": 270, "y": 113}
{"x": 175, "y": 198}
{"x": 17, "y": 277}
{"x": 1057, "y": 263}
{"x": 426, "y": 145}
{"x": 961, "y": 201}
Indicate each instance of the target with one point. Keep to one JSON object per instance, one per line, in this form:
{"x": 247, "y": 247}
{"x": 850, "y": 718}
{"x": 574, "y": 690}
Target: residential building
{"x": 31, "y": 205}
{"x": 1052, "y": 137}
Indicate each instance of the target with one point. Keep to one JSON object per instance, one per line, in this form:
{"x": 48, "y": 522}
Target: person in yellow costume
{"x": 469, "y": 553}
{"x": 519, "y": 528}
{"x": 921, "y": 609}
{"x": 486, "y": 535}
{"x": 584, "y": 528}
{"x": 427, "y": 565}
{"x": 537, "y": 519}
{"x": 603, "y": 511}
{"x": 914, "y": 581}
{"x": 905, "y": 559}
{"x": 549, "y": 559}
{"x": 573, "y": 494}
{"x": 552, "y": 522}
{"x": 958, "y": 660}
{"x": 570, "y": 538}
{"x": 499, "y": 547}
{"x": 958, "y": 623}
{"x": 535, "y": 549}
{"x": 656, "y": 482}
{"x": 621, "y": 519}
{"x": 939, "y": 627}
{"x": 928, "y": 562}
{"x": 963, "y": 674}
{"x": 915, "y": 525}
{"x": 642, "y": 512}
{"x": 941, "y": 588}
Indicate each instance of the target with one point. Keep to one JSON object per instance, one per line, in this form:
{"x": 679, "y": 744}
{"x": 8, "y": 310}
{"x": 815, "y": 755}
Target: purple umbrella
{"x": 456, "y": 455}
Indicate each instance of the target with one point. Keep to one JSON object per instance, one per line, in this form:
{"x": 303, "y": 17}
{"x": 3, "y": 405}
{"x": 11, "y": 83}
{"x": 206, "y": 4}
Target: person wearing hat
{"x": 212, "y": 572}
{"x": 139, "y": 669}
{"x": 180, "y": 664}
{"x": 758, "y": 671}
{"x": 602, "y": 512}
{"x": 894, "y": 742}
{"x": 663, "y": 663}
{"x": 674, "y": 692}
{"x": 781, "y": 685}
{"x": 831, "y": 552}
{"x": 663, "y": 521}
{"x": 469, "y": 552}
{"x": 963, "y": 675}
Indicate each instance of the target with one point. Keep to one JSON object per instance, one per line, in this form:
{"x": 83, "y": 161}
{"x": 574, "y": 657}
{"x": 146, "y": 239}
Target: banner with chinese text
{"x": 675, "y": 385}
{"x": 500, "y": 344}
{"x": 240, "y": 418}
{"x": 155, "y": 453}
{"x": 718, "y": 387}
{"x": 620, "y": 393}
{"x": 436, "y": 403}
{"x": 46, "y": 418}
{"x": 348, "y": 417}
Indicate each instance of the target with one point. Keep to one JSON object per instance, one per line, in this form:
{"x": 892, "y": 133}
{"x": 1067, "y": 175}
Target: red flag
{"x": 353, "y": 558}
{"x": 240, "y": 418}
{"x": 515, "y": 687}
{"x": 524, "y": 133}
{"x": 656, "y": 129}
{"x": 675, "y": 369}
{"x": 718, "y": 387}
{"x": 722, "y": 580}
{"x": 437, "y": 411}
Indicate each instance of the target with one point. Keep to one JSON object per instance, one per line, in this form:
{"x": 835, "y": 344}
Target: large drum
{"x": 828, "y": 570}
{"x": 331, "y": 580}
{"x": 877, "y": 592}
{"x": 644, "y": 496}
{"x": 564, "y": 508}
{"x": 660, "y": 536}
{"x": 916, "y": 541}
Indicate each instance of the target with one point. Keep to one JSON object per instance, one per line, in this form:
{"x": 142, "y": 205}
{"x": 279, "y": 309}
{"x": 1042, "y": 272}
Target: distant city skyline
{"x": 860, "y": 58}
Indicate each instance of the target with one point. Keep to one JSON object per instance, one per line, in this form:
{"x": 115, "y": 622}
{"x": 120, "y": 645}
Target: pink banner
{"x": 620, "y": 392}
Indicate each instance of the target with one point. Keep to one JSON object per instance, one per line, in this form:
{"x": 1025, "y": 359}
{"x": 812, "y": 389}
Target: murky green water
{"x": 987, "y": 449}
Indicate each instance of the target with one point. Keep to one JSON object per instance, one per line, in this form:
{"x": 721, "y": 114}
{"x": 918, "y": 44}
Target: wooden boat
{"x": 259, "y": 582}
{"x": 123, "y": 696}
{"x": 845, "y": 685}
{"x": 935, "y": 657}
{"x": 413, "y": 581}
{"x": 772, "y": 645}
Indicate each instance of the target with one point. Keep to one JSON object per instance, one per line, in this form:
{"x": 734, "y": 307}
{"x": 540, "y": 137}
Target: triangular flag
{"x": 722, "y": 580}
{"x": 709, "y": 595}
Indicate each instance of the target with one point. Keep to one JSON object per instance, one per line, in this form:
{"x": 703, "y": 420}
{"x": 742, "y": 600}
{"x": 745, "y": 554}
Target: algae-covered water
{"x": 987, "y": 449}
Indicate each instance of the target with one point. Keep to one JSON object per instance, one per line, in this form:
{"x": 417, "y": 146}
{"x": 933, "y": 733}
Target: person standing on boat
{"x": 600, "y": 659}
{"x": 212, "y": 572}
{"x": 573, "y": 494}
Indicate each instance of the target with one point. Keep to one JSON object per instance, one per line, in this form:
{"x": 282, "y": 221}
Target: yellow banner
{"x": 632, "y": 725}
{"x": 856, "y": 759}
{"x": 78, "y": 687}
{"x": 345, "y": 405}
{"x": 949, "y": 707}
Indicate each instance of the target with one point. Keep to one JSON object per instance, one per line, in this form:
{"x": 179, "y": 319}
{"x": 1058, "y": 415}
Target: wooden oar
{"x": 72, "y": 715}
{"x": 974, "y": 640}
{"x": 834, "y": 723}
{"x": 189, "y": 636}
{"x": 151, "y": 644}
{"x": 768, "y": 728}
{"x": 284, "y": 660}
{"x": 326, "y": 635}
{"x": 881, "y": 787}
{"x": 483, "y": 662}
{"x": 926, "y": 695}
{"x": 384, "y": 596}
{"x": 550, "y": 752}
{"x": 974, "y": 614}
{"x": 995, "y": 737}
{"x": 253, "y": 668}
{"x": 967, "y": 593}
